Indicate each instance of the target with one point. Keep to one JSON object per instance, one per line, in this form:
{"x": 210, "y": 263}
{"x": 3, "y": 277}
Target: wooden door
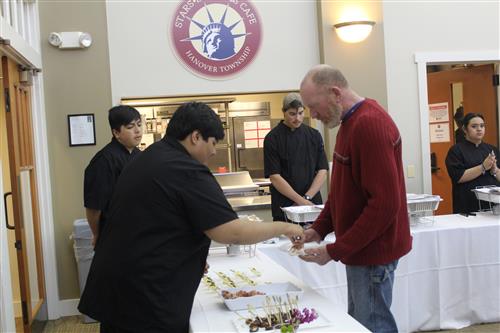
{"x": 479, "y": 96}
{"x": 17, "y": 106}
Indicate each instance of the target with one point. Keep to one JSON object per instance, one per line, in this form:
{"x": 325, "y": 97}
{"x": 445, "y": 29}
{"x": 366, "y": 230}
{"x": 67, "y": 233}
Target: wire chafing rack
{"x": 232, "y": 250}
{"x": 490, "y": 195}
{"x": 421, "y": 207}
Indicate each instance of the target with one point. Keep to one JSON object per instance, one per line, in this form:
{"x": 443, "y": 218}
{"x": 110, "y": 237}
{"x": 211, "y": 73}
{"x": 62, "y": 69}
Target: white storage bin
{"x": 84, "y": 252}
{"x": 81, "y": 229}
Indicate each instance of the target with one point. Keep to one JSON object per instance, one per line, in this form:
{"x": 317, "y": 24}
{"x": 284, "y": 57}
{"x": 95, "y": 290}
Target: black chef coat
{"x": 297, "y": 156}
{"x": 152, "y": 251}
{"x": 101, "y": 175}
{"x": 463, "y": 156}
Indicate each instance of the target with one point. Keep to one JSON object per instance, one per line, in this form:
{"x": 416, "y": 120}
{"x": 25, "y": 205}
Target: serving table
{"x": 209, "y": 314}
{"x": 450, "y": 279}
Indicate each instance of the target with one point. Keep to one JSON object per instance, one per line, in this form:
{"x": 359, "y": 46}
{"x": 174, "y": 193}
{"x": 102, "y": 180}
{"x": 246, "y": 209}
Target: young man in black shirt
{"x": 294, "y": 160}
{"x": 103, "y": 170}
{"x": 150, "y": 259}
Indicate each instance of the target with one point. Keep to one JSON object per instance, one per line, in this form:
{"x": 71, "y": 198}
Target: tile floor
{"x": 74, "y": 325}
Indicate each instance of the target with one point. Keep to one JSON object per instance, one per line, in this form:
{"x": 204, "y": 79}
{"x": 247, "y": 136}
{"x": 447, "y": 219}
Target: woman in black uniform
{"x": 470, "y": 164}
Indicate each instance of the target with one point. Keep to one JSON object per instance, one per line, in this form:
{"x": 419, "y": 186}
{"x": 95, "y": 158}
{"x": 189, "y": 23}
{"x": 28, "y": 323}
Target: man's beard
{"x": 336, "y": 113}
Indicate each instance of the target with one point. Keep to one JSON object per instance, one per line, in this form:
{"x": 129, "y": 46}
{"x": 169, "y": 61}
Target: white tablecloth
{"x": 209, "y": 313}
{"x": 450, "y": 279}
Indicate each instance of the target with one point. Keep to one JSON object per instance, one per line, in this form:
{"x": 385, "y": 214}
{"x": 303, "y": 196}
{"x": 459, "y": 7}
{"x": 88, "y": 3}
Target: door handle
{"x": 11, "y": 227}
{"x": 434, "y": 167}
{"x": 238, "y": 159}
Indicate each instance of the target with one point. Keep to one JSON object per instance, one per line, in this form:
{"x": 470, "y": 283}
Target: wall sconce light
{"x": 70, "y": 40}
{"x": 354, "y": 31}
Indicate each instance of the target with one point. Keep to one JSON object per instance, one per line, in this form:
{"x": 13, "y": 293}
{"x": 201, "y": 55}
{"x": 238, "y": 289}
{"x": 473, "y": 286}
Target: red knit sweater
{"x": 366, "y": 206}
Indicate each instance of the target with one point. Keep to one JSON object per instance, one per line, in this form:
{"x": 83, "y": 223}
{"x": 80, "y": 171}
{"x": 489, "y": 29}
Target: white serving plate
{"x": 240, "y": 325}
{"x": 257, "y": 301}
{"x": 285, "y": 247}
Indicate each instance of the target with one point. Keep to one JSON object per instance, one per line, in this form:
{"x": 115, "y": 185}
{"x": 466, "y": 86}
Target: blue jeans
{"x": 369, "y": 293}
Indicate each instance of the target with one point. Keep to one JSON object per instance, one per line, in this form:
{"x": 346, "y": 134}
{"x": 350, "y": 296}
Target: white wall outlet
{"x": 410, "y": 170}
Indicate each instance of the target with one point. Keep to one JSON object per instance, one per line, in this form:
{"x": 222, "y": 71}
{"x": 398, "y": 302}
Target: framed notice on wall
{"x": 81, "y": 128}
{"x": 438, "y": 112}
{"x": 439, "y": 132}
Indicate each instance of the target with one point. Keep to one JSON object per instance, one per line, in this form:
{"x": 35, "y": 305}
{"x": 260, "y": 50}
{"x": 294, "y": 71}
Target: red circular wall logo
{"x": 216, "y": 39}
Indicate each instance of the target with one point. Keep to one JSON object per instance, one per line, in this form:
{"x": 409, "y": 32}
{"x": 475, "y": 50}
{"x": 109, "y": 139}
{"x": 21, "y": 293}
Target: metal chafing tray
{"x": 490, "y": 194}
{"x": 301, "y": 214}
{"x": 421, "y": 207}
{"x": 236, "y": 183}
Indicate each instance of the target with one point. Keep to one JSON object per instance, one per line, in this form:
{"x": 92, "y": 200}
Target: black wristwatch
{"x": 307, "y": 197}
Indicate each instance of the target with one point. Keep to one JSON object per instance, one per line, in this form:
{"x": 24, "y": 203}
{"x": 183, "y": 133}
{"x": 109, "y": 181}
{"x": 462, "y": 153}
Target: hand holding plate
{"x": 318, "y": 255}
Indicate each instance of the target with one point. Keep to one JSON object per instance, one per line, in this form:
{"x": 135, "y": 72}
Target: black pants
{"x": 109, "y": 329}
{"x": 113, "y": 329}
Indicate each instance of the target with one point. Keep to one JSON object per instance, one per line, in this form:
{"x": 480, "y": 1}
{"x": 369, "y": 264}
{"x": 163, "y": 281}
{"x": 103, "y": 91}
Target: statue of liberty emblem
{"x": 216, "y": 39}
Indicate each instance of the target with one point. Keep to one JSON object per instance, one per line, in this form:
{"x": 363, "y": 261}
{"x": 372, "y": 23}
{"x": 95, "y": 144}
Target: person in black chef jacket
{"x": 459, "y": 118}
{"x": 470, "y": 164}
{"x": 294, "y": 160}
{"x": 103, "y": 170}
{"x": 166, "y": 207}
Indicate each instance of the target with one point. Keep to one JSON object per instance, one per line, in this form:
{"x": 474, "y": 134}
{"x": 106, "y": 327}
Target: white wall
{"x": 143, "y": 64}
{"x": 362, "y": 63}
{"x": 411, "y": 27}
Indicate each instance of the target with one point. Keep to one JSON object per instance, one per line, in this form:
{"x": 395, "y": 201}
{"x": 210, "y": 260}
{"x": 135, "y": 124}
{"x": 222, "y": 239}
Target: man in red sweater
{"x": 366, "y": 206}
